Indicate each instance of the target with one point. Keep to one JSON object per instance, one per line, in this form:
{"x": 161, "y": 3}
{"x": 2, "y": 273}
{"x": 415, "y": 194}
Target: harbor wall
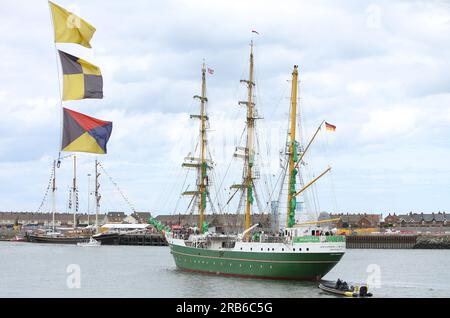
{"x": 381, "y": 241}
{"x": 142, "y": 239}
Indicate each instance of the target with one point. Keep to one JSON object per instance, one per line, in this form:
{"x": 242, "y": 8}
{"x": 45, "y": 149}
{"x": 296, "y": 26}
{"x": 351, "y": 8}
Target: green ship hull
{"x": 289, "y": 266}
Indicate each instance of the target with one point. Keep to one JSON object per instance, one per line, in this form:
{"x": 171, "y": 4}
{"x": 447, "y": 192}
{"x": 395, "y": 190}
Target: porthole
{"x": 294, "y": 249}
{"x": 307, "y": 248}
{"x": 282, "y": 249}
{"x": 261, "y": 249}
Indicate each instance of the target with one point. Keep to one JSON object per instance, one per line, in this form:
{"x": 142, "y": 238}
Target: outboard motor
{"x": 363, "y": 291}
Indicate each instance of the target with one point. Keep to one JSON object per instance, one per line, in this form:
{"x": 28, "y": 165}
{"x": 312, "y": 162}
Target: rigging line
{"x": 243, "y": 192}
{"x": 217, "y": 192}
{"x": 47, "y": 190}
{"x": 117, "y": 188}
{"x": 214, "y": 177}
{"x": 232, "y": 196}
{"x": 269, "y": 156}
{"x": 315, "y": 195}
{"x": 258, "y": 202}
{"x": 190, "y": 202}
{"x": 169, "y": 189}
{"x": 280, "y": 176}
{"x": 213, "y": 209}
{"x": 228, "y": 168}
{"x": 264, "y": 175}
{"x": 333, "y": 190}
{"x": 241, "y": 201}
{"x": 180, "y": 196}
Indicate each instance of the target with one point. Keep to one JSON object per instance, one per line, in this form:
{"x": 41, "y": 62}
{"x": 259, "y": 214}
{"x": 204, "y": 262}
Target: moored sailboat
{"x": 301, "y": 252}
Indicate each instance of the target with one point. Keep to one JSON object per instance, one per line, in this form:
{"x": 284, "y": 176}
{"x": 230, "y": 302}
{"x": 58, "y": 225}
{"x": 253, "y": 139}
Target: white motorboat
{"x": 91, "y": 242}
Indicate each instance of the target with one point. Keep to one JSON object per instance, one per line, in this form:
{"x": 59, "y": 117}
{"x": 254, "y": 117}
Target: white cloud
{"x": 390, "y": 123}
{"x": 379, "y": 72}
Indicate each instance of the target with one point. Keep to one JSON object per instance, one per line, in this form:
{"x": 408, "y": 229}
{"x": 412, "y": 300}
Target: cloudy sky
{"x": 378, "y": 70}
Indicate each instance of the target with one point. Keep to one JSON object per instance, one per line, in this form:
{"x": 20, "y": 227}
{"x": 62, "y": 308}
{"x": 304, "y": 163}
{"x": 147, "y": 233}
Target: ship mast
{"x": 293, "y": 153}
{"x": 97, "y": 195}
{"x": 249, "y": 158}
{"x": 74, "y": 192}
{"x": 203, "y": 142}
{"x": 201, "y": 163}
{"x": 53, "y": 195}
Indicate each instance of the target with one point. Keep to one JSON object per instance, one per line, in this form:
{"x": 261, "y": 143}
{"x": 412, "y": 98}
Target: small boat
{"x": 108, "y": 238}
{"x": 91, "y": 242}
{"x": 341, "y": 288}
{"x": 18, "y": 238}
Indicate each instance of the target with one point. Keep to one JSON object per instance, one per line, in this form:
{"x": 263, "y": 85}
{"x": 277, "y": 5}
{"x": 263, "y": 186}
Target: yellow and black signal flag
{"x": 81, "y": 78}
{"x": 70, "y": 28}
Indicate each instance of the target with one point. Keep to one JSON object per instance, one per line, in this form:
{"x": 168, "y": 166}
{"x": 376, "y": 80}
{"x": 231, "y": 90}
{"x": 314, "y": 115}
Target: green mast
{"x": 293, "y": 153}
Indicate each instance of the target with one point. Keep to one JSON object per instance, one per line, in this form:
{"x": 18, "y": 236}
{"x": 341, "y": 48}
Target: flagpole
{"x": 59, "y": 77}
{"x": 60, "y": 113}
{"x": 74, "y": 189}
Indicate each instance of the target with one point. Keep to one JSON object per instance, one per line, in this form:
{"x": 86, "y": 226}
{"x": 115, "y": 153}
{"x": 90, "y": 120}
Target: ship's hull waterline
{"x": 282, "y": 266}
{"x": 56, "y": 240}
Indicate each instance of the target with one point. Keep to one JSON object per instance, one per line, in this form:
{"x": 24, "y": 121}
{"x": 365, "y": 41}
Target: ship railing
{"x": 272, "y": 239}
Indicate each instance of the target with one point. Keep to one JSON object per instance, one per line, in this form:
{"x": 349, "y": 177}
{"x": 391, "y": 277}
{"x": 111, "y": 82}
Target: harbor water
{"x": 40, "y": 270}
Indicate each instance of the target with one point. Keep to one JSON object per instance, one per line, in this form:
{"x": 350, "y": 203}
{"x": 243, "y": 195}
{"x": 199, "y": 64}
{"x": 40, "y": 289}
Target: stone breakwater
{"x": 432, "y": 242}
{"x": 398, "y": 241}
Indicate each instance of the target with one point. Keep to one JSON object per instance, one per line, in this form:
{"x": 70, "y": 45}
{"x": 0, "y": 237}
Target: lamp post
{"x": 89, "y": 197}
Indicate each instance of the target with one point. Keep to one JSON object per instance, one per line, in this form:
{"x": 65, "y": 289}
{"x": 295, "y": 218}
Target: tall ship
{"x": 67, "y": 235}
{"x": 305, "y": 251}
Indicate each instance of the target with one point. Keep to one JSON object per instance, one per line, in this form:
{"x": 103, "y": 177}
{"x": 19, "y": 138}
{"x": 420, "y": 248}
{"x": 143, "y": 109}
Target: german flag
{"x": 330, "y": 127}
{"x": 81, "y": 78}
{"x": 82, "y": 133}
